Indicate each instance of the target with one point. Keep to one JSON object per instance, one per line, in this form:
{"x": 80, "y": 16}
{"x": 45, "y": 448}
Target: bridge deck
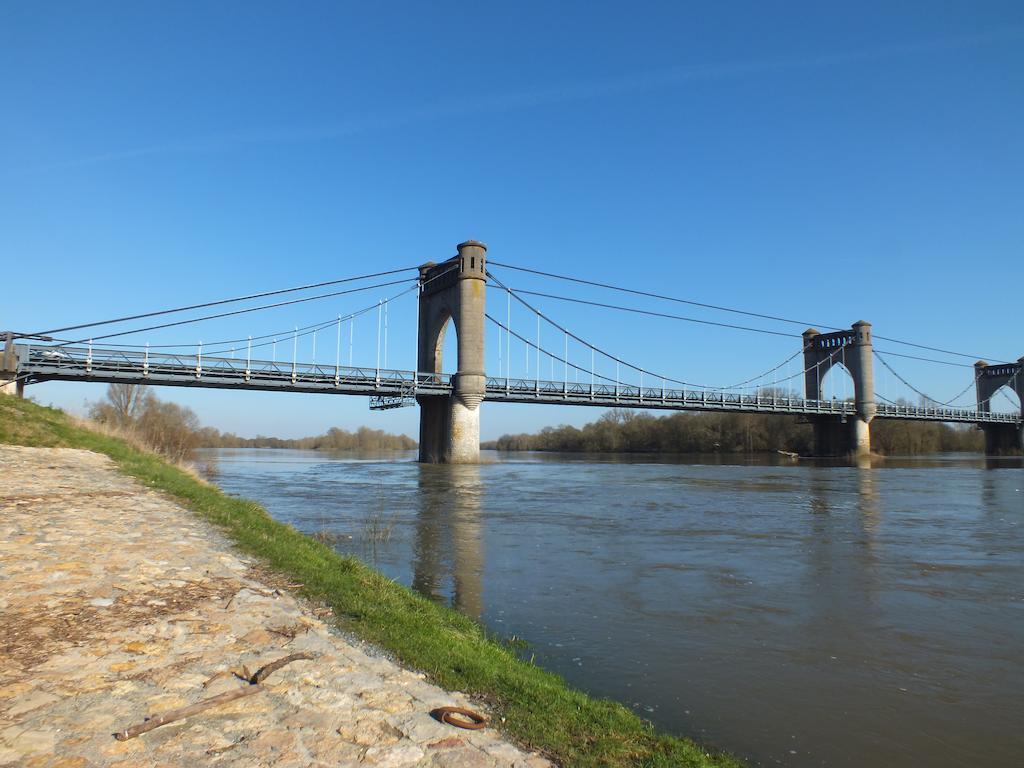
{"x": 47, "y": 363}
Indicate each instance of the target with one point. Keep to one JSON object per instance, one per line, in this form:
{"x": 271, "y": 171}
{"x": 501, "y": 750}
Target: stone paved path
{"x": 117, "y": 604}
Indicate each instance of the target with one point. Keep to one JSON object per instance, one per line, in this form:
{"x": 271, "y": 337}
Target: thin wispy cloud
{"x": 542, "y": 96}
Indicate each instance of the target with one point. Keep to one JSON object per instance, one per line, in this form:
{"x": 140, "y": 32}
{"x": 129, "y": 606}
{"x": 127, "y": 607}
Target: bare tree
{"x": 127, "y": 401}
{"x": 169, "y": 429}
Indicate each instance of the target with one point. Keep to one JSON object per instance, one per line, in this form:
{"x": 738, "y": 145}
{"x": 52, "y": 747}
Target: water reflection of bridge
{"x": 448, "y": 545}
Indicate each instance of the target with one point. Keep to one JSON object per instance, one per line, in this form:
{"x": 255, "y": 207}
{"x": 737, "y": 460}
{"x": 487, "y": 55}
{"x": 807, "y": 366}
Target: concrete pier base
{"x": 1003, "y": 439}
{"x": 433, "y": 428}
{"x": 834, "y": 437}
{"x": 449, "y": 431}
{"x": 860, "y": 437}
{"x": 463, "y": 434}
{"x": 829, "y": 439}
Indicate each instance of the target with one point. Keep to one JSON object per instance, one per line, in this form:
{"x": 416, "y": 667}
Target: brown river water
{"x": 793, "y": 614}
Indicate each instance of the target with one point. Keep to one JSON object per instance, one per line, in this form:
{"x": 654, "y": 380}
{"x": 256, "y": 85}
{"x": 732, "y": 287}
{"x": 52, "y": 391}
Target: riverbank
{"x": 536, "y": 708}
{"x": 118, "y": 605}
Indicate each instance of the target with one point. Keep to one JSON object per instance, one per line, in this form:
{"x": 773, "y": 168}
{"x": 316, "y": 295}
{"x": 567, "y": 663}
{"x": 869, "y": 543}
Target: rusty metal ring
{"x": 475, "y": 722}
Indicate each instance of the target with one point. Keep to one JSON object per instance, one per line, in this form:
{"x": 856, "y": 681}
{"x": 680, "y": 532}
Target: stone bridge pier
{"x": 453, "y": 291}
{"x": 842, "y": 435}
{"x": 1000, "y": 439}
{"x": 9, "y": 382}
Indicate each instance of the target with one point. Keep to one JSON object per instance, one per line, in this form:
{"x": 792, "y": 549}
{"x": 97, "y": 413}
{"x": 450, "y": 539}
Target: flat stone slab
{"x": 117, "y": 604}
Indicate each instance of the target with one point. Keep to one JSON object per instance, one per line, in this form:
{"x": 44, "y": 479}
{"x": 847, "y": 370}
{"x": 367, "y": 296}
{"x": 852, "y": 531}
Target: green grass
{"x": 540, "y": 710}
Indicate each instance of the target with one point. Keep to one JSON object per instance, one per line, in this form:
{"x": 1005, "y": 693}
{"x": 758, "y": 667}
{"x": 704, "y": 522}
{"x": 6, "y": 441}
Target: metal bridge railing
{"x": 574, "y": 393}
{"x": 943, "y": 414}
{"x": 624, "y": 394}
{"x": 42, "y": 363}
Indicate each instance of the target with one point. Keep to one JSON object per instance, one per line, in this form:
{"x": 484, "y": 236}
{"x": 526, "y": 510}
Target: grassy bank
{"x": 539, "y": 710}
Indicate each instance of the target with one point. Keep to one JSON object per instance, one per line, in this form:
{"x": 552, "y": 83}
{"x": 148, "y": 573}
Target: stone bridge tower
{"x": 988, "y": 379}
{"x": 454, "y": 290}
{"x": 842, "y": 435}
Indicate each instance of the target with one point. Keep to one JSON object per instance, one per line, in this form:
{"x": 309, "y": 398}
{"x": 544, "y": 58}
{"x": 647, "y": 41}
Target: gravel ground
{"x": 116, "y": 605}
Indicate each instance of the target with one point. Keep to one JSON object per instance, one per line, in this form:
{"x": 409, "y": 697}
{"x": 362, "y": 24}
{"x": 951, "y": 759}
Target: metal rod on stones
{"x": 180, "y": 713}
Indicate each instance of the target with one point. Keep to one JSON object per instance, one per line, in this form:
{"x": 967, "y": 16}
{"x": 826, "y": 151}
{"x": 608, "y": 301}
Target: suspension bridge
{"x": 454, "y": 293}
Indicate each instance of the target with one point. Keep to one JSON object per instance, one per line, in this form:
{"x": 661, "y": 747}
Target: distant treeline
{"x": 335, "y": 439}
{"x": 631, "y": 432}
{"x": 172, "y": 430}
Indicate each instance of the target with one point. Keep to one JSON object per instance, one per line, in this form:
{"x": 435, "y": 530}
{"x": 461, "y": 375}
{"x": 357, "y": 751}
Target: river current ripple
{"x": 793, "y": 614}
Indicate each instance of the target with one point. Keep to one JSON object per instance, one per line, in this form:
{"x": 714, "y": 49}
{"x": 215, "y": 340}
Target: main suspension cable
{"x": 204, "y": 305}
{"x": 651, "y": 313}
{"x": 237, "y": 312}
{"x": 311, "y": 329}
{"x": 289, "y": 331}
{"x": 890, "y": 353}
{"x": 926, "y": 396}
{"x": 582, "y": 369}
{"x": 663, "y": 297}
{"x": 785, "y": 362}
{"x": 586, "y": 343}
{"x": 721, "y": 308}
{"x": 514, "y": 293}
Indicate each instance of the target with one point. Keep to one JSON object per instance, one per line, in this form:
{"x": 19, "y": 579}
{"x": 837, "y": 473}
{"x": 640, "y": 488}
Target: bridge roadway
{"x": 390, "y": 388}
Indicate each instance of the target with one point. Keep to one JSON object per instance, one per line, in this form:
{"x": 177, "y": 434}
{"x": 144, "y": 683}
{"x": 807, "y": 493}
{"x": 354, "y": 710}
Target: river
{"x": 793, "y": 614}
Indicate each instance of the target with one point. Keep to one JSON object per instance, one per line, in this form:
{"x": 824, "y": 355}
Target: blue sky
{"x": 814, "y": 161}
